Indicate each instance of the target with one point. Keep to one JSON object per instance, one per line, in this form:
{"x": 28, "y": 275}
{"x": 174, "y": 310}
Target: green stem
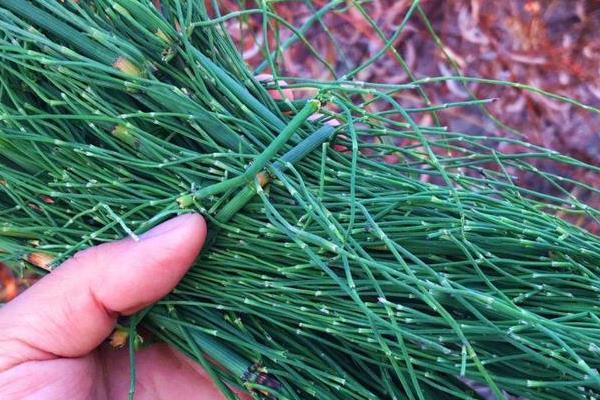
{"x": 310, "y": 108}
{"x": 65, "y": 32}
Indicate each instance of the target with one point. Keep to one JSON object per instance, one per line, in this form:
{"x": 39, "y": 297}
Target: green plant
{"x": 329, "y": 273}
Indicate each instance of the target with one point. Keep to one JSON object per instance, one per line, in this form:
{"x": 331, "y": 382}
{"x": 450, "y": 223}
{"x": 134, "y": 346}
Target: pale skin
{"x": 52, "y": 337}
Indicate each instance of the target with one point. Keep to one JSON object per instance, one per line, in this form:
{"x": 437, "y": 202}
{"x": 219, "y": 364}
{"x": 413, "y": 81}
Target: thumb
{"x": 72, "y": 310}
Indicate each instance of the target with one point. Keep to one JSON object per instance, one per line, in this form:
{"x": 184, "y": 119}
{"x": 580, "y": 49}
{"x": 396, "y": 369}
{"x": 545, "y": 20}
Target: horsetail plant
{"x": 329, "y": 273}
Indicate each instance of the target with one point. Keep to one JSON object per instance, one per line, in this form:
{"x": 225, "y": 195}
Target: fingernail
{"x": 167, "y": 226}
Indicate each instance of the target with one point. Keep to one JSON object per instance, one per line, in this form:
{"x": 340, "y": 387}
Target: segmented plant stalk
{"x": 398, "y": 259}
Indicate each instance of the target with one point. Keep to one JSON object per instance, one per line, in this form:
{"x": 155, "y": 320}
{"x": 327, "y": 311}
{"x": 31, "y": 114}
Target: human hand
{"x": 51, "y": 336}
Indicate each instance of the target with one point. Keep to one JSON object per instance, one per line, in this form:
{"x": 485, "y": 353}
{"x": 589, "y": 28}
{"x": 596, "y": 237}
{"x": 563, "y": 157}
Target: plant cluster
{"x": 330, "y": 272}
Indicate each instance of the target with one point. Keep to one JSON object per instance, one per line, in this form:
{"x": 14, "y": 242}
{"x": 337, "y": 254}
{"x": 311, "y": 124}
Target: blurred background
{"x": 550, "y": 44}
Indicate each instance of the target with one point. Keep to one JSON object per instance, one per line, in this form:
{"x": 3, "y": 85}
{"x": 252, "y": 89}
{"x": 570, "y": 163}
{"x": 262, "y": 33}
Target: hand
{"x": 51, "y": 335}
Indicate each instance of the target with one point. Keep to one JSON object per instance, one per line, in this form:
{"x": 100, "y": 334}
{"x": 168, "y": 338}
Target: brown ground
{"x": 550, "y": 44}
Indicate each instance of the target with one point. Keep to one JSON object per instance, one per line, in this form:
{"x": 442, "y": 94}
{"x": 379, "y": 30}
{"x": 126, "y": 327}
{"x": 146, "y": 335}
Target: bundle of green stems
{"x": 331, "y": 272}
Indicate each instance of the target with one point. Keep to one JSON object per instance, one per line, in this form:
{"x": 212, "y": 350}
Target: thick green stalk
{"x": 62, "y": 30}
{"x": 259, "y": 163}
{"x": 300, "y": 151}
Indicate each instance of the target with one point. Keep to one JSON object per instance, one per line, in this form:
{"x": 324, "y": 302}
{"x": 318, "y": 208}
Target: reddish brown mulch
{"x": 8, "y": 284}
{"x": 11, "y": 284}
{"x": 553, "y": 45}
